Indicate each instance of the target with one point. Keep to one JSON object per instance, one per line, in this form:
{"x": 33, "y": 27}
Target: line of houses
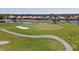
{"x": 11, "y": 18}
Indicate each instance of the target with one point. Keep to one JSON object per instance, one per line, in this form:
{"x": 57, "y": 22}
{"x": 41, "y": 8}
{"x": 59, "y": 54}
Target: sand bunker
{"x": 22, "y": 27}
{"x": 4, "y": 42}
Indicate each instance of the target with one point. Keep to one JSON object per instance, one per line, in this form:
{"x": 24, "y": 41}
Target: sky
{"x": 39, "y": 10}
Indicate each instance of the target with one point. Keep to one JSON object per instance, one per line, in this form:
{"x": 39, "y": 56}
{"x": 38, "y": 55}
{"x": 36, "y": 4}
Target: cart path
{"x": 66, "y": 45}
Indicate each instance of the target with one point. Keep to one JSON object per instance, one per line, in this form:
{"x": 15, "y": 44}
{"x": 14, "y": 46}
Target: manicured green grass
{"x": 34, "y": 28}
{"x": 29, "y": 44}
{"x": 45, "y": 26}
{"x": 69, "y": 32}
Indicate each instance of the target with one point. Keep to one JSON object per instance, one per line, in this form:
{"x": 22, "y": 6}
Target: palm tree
{"x": 50, "y": 18}
{"x": 54, "y": 19}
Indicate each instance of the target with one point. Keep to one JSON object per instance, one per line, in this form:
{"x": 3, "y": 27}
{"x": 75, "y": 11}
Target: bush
{"x": 1, "y": 17}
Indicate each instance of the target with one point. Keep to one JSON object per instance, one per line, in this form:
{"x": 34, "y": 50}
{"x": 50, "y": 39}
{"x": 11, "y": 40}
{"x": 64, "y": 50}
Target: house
{"x": 6, "y": 21}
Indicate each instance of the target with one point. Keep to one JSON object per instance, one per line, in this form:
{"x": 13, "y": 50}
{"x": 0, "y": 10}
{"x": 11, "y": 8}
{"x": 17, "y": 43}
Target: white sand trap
{"x": 22, "y": 27}
{"x": 4, "y": 42}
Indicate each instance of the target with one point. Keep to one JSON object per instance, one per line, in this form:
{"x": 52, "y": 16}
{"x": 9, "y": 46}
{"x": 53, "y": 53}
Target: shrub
{"x": 1, "y": 17}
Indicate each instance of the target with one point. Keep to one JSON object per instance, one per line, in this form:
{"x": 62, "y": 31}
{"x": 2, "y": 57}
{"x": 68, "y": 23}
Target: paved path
{"x": 66, "y": 45}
